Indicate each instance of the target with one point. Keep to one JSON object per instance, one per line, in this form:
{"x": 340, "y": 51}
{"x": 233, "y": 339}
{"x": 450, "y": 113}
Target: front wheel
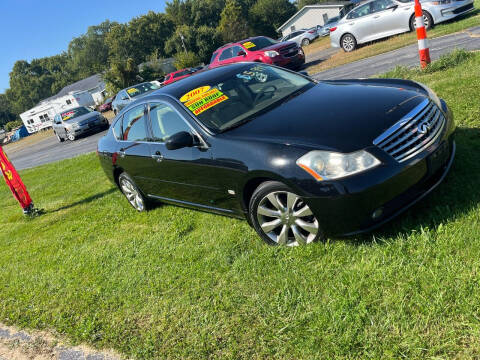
{"x": 70, "y": 136}
{"x": 281, "y": 217}
{"x": 427, "y": 20}
{"x": 348, "y": 43}
{"x": 132, "y": 192}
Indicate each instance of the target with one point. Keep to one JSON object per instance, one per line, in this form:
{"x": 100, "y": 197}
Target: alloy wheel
{"x": 286, "y": 219}
{"x": 70, "y": 136}
{"x": 132, "y": 194}
{"x": 348, "y": 43}
{"x": 426, "y": 21}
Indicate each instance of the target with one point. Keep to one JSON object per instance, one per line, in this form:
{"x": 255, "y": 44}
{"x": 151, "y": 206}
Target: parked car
{"x": 377, "y": 19}
{"x": 331, "y": 23}
{"x": 260, "y": 49}
{"x": 78, "y": 121}
{"x": 107, "y": 105}
{"x": 126, "y": 96}
{"x": 282, "y": 150}
{"x": 301, "y": 37}
{"x": 178, "y": 75}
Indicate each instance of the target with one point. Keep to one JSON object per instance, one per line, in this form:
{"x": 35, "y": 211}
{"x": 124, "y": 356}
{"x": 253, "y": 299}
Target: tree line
{"x": 188, "y": 30}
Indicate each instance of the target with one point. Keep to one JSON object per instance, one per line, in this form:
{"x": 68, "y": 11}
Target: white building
{"x": 313, "y": 15}
{"x": 86, "y": 92}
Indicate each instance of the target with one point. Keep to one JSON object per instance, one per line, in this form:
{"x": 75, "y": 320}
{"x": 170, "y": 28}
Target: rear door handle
{"x": 157, "y": 156}
{"x": 376, "y": 16}
{"x": 352, "y": 23}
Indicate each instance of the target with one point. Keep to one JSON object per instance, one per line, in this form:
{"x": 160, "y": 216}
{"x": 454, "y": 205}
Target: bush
{"x": 185, "y": 60}
{"x": 13, "y": 124}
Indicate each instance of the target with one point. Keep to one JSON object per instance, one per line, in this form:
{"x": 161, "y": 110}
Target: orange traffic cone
{"x": 423, "y": 49}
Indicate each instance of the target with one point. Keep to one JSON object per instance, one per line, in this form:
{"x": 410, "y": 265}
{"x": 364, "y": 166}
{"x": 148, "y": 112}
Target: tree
{"x": 267, "y": 15}
{"x": 121, "y": 75}
{"x": 233, "y": 25}
{"x": 13, "y": 124}
{"x": 184, "y": 60}
{"x": 5, "y": 113}
{"x": 89, "y": 52}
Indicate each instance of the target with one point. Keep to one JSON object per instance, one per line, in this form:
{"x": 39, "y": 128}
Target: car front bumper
{"x": 362, "y": 203}
{"x": 449, "y": 11}
{"x": 290, "y": 62}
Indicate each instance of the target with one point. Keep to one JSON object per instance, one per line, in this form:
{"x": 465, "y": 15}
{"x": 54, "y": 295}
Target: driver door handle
{"x": 157, "y": 156}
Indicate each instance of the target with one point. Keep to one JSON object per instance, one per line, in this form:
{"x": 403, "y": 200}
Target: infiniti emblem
{"x": 424, "y": 126}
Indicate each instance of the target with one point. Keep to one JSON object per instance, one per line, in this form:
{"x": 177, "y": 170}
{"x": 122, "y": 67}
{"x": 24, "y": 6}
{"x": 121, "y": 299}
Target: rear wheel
{"x": 281, "y": 217}
{"x": 427, "y": 19}
{"x": 305, "y": 42}
{"x": 132, "y": 192}
{"x": 348, "y": 43}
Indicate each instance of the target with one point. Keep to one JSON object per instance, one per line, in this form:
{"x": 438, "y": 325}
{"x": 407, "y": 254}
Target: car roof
{"x": 239, "y": 42}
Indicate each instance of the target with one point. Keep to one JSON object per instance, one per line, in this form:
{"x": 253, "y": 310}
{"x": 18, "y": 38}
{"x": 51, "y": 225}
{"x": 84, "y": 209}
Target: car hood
{"x": 80, "y": 119}
{"x": 278, "y": 46}
{"x": 342, "y": 116}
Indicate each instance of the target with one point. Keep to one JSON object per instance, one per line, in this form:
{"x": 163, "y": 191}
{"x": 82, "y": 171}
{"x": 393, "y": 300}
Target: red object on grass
{"x": 14, "y": 182}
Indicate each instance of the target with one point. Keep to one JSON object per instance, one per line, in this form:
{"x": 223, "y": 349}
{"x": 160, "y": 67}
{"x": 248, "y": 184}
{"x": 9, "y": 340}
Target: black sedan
{"x": 299, "y": 159}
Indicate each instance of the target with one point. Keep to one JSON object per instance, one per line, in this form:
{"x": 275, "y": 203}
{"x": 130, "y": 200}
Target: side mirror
{"x": 241, "y": 53}
{"x": 303, "y": 73}
{"x": 179, "y": 140}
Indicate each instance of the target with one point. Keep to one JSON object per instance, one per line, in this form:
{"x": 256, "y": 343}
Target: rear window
{"x": 258, "y": 43}
{"x": 181, "y": 73}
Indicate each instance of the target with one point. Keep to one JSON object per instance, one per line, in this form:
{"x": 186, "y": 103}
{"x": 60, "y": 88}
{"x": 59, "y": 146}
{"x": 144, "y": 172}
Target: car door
{"x": 134, "y": 151}
{"x": 235, "y": 51}
{"x": 297, "y": 36}
{"x": 226, "y": 56}
{"x": 184, "y": 175}
{"x": 359, "y": 23}
{"x": 58, "y": 126}
{"x": 388, "y": 19}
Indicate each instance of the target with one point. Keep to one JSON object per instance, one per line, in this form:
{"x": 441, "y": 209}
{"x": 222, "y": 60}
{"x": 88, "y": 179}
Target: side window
{"x": 236, "y": 50}
{"x": 226, "y": 54}
{"x": 214, "y": 55}
{"x": 68, "y": 102}
{"x": 165, "y": 122}
{"x": 360, "y": 11}
{"x": 117, "y": 129}
{"x": 380, "y": 5}
{"x": 134, "y": 125}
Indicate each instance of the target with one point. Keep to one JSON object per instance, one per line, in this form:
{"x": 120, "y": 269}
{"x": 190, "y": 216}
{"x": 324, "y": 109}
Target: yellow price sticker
{"x": 248, "y": 45}
{"x": 194, "y": 93}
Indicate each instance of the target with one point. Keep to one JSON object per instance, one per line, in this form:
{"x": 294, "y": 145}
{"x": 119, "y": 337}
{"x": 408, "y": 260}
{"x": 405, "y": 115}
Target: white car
{"x": 301, "y": 37}
{"x": 376, "y": 19}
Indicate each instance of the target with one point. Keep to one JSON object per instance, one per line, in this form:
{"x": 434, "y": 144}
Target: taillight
{"x": 333, "y": 29}
{"x": 312, "y": 31}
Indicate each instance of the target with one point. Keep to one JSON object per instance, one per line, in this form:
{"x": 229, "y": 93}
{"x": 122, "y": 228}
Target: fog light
{"x": 377, "y": 213}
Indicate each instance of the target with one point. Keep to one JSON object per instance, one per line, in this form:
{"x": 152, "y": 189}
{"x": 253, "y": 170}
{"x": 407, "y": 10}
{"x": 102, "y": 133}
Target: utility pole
{"x": 183, "y": 43}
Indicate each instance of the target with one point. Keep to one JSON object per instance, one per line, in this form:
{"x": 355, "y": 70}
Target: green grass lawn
{"x": 177, "y": 283}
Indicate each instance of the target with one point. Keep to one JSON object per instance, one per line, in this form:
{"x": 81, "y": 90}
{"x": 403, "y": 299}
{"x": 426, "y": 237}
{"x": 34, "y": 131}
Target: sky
{"x": 39, "y": 28}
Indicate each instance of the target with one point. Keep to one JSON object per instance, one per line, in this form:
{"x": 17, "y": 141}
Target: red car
{"x": 260, "y": 49}
{"x": 107, "y": 105}
{"x": 177, "y": 75}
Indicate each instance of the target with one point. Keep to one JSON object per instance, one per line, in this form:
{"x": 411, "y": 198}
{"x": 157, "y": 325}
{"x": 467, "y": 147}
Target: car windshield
{"x": 183, "y": 72}
{"x": 141, "y": 89}
{"x": 241, "y": 95}
{"x": 332, "y": 20}
{"x": 73, "y": 113}
{"x": 258, "y": 43}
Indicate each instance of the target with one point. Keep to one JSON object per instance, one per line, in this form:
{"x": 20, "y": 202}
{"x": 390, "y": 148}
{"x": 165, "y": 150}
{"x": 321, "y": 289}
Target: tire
{"x": 115, "y": 112}
{"x": 132, "y": 193}
{"x": 70, "y": 136}
{"x": 427, "y": 19}
{"x": 348, "y": 43}
{"x": 305, "y": 42}
{"x": 280, "y": 217}
{"x": 60, "y": 139}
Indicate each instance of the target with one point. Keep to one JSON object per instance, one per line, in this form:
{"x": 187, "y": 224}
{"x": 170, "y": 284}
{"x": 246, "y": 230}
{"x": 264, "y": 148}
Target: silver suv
{"x": 376, "y": 19}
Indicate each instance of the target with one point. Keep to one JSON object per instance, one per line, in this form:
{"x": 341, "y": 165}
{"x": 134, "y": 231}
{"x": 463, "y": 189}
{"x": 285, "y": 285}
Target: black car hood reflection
{"x": 322, "y": 116}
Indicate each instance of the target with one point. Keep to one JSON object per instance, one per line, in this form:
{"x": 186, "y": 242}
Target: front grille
{"x": 463, "y": 8}
{"x": 286, "y": 51}
{"x": 413, "y": 133}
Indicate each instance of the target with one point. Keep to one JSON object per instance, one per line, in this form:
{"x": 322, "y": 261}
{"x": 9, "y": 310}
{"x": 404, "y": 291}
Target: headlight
{"x": 271, "y": 53}
{"x": 75, "y": 125}
{"x": 328, "y": 165}
{"x": 431, "y": 95}
{"x": 441, "y": 2}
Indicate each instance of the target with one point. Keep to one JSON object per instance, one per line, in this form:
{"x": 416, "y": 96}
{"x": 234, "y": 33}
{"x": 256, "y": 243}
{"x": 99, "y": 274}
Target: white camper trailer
{"x": 41, "y": 116}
